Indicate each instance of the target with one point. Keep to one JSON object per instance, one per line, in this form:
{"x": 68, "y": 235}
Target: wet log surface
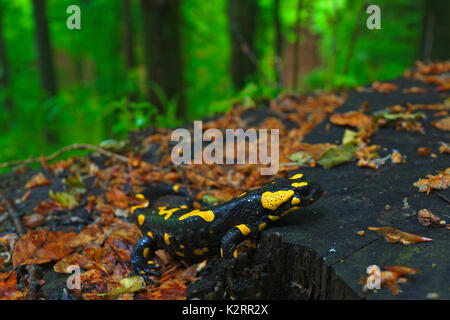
{"x": 315, "y": 253}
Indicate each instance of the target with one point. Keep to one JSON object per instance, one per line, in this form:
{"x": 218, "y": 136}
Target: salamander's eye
{"x": 305, "y": 192}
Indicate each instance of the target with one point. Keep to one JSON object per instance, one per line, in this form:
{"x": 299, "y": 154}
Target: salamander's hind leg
{"x": 155, "y": 191}
{"x": 141, "y": 263}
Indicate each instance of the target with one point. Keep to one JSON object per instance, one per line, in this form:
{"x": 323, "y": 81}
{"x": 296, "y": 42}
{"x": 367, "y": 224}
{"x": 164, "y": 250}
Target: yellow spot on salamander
{"x": 244, "y": 229}
{"x": 141, "y": 219}
{"x": 150, "y": 262}
{"x": 221, "y": 252}
{"x": 166, "y": 213}
{"x": 150, "y": 234}
{"x": 181, "y": 246}
{"x": 241, "y": 194}
{"x": 146, "y": 252}
{"x": 274, "y": 217}
{"x": 299, "y": 184}
{"x": 290, "y": 210}
{"x": 180, "y": 254}
{"x": 295, "y": 201}
{"x": 272, "y": 200}
{"x": 144, "y": 205}
{"x": 184, "y": 206}
{"x": 262, "y": 226}
{"x": 166, "y": 238}
{"x": 176, "y": 188}
{"x": 235, "y": 254}
{"x": 208, "y": 215}
{"x": 199, "y": 252}
{"x": 297, "y": 176}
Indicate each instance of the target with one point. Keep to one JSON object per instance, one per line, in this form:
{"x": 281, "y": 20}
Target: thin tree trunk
{"x": 297, "y": 45}
{"x": 128, "y": 36}
{"x": 278, "y": 43}
{"x": 4, "y": 73}
{"x": 45, "y": 55}
{"x": 436, "y": 35}
{"x": 242, "y": 16}
{"x": 163, "y": 54}
{"x": 354, "y": 37}
{"x": 45, "y": 62}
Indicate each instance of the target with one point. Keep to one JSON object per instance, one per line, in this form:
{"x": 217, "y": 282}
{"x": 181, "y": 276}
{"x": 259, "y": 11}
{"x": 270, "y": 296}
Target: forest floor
{"x": 379, "y": 152}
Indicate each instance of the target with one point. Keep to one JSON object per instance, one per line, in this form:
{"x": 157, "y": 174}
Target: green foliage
{"x": 98, "y": 98}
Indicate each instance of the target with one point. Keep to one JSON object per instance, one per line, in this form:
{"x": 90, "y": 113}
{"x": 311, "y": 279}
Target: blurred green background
{"x": 164, "y": 62}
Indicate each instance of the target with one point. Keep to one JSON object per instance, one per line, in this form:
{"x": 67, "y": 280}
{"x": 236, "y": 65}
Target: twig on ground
{"x": 82, "y": 146}
{"x": 443, "y": 197}
{"x": 33, "y": 281}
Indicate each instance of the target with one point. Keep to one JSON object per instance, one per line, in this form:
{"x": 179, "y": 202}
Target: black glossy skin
{"x": 221, "y": 228}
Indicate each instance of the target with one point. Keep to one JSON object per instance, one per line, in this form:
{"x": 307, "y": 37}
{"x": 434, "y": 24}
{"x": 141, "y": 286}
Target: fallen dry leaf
{"x": 77, "y": 259}
{"x": 41, "y": 246}
{"x": 353, "y": 119}
{"x": 127, "y": 285}
{"x": 90, "y": 235}
{"x": 37, "y": 180}
{"x": 8, "y": 282}
{"x": 427, "y": 218}
{"x": 442, "y": 124}
{"x": 394, "y": 235}
{"x": 389, "y": 277}
{"x": 384, "y": 87}
{"x": 440, "y": 181}
{"x": 414, "y": 90}
{"x": 423, "y": 151}
{"x": 444, "y": 147}
{"x": 117, "y": 198}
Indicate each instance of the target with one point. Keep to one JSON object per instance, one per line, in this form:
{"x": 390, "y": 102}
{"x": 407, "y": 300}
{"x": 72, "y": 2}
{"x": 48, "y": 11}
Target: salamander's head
{"x": 306, "y": 190}
{"x": 284, "y": 196}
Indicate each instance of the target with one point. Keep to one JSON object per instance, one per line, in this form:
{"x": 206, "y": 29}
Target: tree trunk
{"x": 278, "y": 43}
{"x": 298, "y": 23}
{"x": 354, "y": 37}
{"x": 45, "y": 56}
{"x": 436, "y": 38}
{"x": 163, "y": 54}
{"x": 4, "y": 74}
{"x": 242, "y": 15}
{"x": 46, "y": 66}
{"x": 128, "y": 35}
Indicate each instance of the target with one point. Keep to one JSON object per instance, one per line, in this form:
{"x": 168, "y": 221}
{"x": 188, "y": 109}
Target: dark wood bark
{"x": 242, "y": 15}
{"x": 45, "y": 54}
{"x": 163, "y": 54}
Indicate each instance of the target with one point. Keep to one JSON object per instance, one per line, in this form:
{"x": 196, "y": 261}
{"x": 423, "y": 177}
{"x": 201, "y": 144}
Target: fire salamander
{"x": 196, "y": 234}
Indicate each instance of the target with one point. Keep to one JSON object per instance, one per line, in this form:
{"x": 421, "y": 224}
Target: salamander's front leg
{"x": 141, "y": 258}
